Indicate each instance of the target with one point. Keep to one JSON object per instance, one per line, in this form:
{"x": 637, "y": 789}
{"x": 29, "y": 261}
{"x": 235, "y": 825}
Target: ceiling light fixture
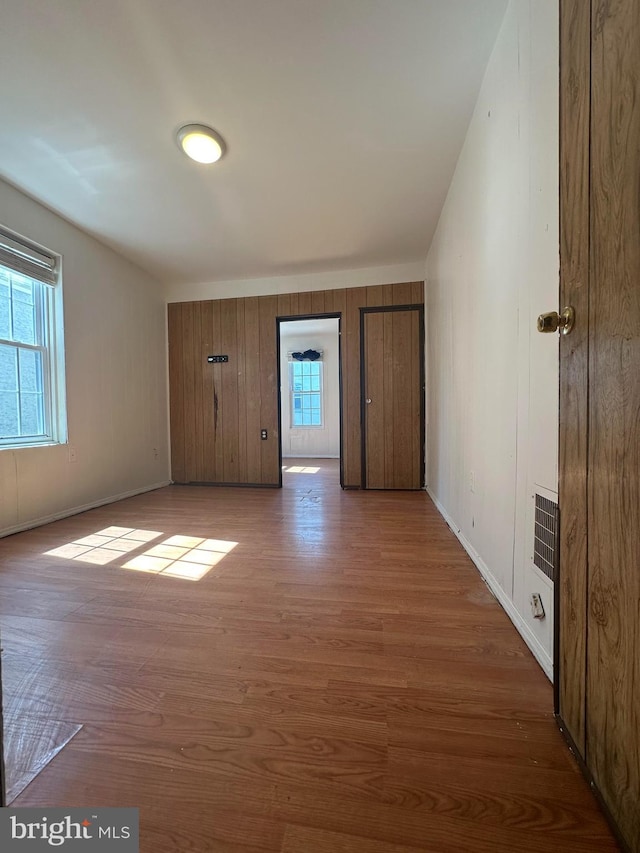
{"x": 201, "y": 143}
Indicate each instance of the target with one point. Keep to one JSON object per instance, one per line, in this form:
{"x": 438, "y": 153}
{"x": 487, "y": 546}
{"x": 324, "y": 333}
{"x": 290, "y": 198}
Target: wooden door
{"x": 392, "y": 343}
{"x": 599, "y": 656}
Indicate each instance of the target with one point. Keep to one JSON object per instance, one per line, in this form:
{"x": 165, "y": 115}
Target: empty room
{"x": 319, "y": 443}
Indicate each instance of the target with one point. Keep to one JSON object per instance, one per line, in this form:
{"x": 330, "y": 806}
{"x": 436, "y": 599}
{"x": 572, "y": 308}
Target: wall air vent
{"x": 545, "y": 536}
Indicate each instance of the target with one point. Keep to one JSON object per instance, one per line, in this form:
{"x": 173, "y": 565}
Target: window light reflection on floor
{"x": 300, "y": 469}
{"x": 186, "y": 557}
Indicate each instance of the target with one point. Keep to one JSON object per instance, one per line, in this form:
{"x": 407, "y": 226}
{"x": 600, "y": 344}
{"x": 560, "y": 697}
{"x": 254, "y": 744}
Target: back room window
{"x": 305, "y": 387}
{"x": 32, "y": 405}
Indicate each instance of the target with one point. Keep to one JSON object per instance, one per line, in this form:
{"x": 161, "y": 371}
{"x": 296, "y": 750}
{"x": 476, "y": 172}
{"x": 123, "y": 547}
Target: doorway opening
{"x": 310, "y": 400}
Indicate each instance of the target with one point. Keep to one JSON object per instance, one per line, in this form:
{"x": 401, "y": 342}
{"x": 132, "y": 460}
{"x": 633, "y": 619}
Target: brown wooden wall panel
{"x": 178, "y": 406}
{"x": 613, "y": 637}
{"x": 252, "y": 399}
{"x": 223, "y": 445}
{"x": 210, "y": 330}
{"x": 575, "y": 39}
{"x": 242, "y": 392}
{"x": 270, "y": 461}
{"x": 228, "y": 420}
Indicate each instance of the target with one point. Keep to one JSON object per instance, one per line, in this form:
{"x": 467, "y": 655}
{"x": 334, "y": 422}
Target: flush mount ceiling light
{"x": 201, "y": 143}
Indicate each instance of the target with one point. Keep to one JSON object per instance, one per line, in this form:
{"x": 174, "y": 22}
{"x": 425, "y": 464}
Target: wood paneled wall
{"x": 218, "y": 410}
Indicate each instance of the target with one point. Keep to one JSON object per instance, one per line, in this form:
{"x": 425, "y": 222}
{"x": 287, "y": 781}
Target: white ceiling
{"x": 343, "y": 120}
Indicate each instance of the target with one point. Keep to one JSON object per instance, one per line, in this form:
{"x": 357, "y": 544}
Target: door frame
{"x": 331, "y": 315}
{"x": 419, "y": 307}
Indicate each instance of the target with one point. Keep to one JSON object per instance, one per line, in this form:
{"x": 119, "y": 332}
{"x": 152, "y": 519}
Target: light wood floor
{"x": 340, "y": 680}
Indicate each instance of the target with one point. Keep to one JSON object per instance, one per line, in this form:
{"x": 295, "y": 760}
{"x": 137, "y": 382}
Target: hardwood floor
{"x": 338, "y": 681}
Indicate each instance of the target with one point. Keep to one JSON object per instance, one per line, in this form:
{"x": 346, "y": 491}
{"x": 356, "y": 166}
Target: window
{"x": 305, "y": 383}
{"x": 31, "y": 346}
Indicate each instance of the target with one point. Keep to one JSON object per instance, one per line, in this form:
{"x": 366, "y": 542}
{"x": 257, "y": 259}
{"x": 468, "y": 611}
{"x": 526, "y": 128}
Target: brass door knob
{"x": 552, "y": 321}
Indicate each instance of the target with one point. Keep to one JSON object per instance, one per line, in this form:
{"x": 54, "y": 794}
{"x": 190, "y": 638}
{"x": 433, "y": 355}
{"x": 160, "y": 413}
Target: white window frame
{"x": 293, "y": 393}
{"x": 44, "y": 267}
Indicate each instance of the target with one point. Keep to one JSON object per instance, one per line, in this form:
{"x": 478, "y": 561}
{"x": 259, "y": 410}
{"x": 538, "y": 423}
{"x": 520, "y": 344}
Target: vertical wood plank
{"x": 374, "y": 296}
{"x": 229, "y": 383}
{"x": 355, "y": 298}
{"x": 417, "y": 292}
{"x": 317, "y": 302}
{"x": 330, "y": 301}
{"x": 386, "y": 357}
{"x": 241, "y": 402}
{"x": 374, "y": 390}
{"x": 402, "y": 294}
{"x": 191, "y": 350}
{"x": 284, "y": 305}
{"x": 208, "y": 347}
{"x": 613, "y": 637}
{"x": 215, "y": 404}
{"x": 575, "y": 44}
{"x": 176, "y": 392}
{"x": 268, "y": 309}
{"x": 304, "y": 303}
{"x": 252, "y": 387}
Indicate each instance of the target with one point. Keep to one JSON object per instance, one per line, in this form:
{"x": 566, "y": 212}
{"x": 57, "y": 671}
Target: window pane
{"x": 28, "y": 409}
{"x": 297, "y": 418}
{"x": 5, "y": 305}
{"x": 24, "y": 321}
{"x": 31, "y": 371}
{"x": 297, "y": 402}
{"x": 315, "y": 383}
{"x": 306, "y": 418}
{"x": 32, "y": 414}
{"x": 8, "y": 368}
{"x": 315, "y": 418}
{"x": 306, "y": 383}
{"x": 315, "y": 400}
{"x": 9, "y": 421}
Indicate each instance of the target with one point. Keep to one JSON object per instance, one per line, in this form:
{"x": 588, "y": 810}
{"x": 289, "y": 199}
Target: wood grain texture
{"x": 575, "y": 29}
{"x": 341, "y": 680}
{"x": 218, "y": 410}
{"x": 393, "y": 382}
{"x": 613, "y": 650}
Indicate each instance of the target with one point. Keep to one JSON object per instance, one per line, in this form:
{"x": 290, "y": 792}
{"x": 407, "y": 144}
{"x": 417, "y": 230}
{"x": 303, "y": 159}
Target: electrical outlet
{"x": 263, "y": 434}
{"x": 155, "y": 453}
{"x": 73, "y": 454}
{"x": 537, "y": 607}
{"x": 472, "y": 481}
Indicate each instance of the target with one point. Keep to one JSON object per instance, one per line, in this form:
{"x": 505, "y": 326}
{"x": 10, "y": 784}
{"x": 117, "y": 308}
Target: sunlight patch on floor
{"x": 186, "y": 557}
{"x": 300, "y": 469}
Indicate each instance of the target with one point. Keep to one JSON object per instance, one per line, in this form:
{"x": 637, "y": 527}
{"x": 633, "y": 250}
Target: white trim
{"x": 523, "y": 629}
{"x": 65, "y": 513}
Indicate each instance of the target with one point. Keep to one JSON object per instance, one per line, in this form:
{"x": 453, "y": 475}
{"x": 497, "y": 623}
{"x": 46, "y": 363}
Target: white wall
{"x": 296, "y": 283}
{"x": 115, "y": 341}
{"x": 319, "y": 441}
{"x": 492, "y": 393}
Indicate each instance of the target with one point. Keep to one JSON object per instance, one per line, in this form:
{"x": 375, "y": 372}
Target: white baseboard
{"x": 65, "y": 513}
{"x": 536, "y": 648}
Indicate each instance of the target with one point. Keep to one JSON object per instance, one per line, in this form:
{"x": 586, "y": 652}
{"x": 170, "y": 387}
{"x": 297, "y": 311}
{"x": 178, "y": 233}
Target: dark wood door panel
{"x": 613, "y": 650}
{"x": 392, "y": 388}
{"x": 575, "y": 40}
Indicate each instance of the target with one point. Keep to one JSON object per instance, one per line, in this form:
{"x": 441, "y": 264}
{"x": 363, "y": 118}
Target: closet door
{"x": 392, "y": 392}
{"x": 600, "y": 397}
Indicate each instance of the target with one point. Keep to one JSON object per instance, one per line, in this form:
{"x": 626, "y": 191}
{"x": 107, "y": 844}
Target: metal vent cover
{"x": 545, "y": 536}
